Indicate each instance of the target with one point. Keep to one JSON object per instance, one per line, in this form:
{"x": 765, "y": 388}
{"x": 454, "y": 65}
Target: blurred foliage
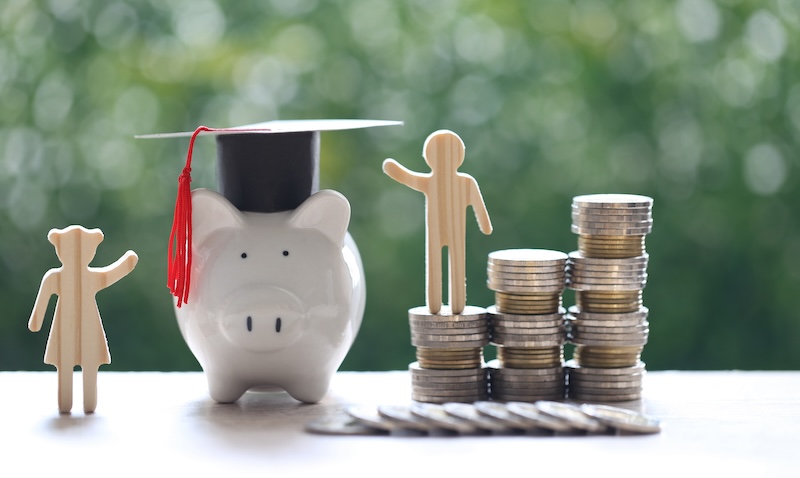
{"x": 694, "y": 103}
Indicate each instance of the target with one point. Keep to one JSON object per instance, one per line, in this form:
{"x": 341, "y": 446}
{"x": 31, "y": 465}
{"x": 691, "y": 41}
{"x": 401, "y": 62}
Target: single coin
{"x": 571, "y": 414}
{"x": 504, "y": 284}
{"x": 536, "y": 270}
{"x": 576, "y": 257}
{"x": 422, "y": 313}
{"x": 369, "y": 416}
{"x": 579, "y": 217}
{"x": 525, "y": 289}
{"x": 607, "y": 222}
{"x": 529, "y": 411}
{"x": 468, "y": 412}
{"x": 499, "y": 412}
{"x": 528, "y": 276}
{"x": 436, "y": 416}
{"x": 612, "y": 231}
{"x": 622, "y": 419}
{"x": 605, "y": 398}
{"x": 437, "y": 325}
{"x": 572, "y": 367}
{"x": 416, "y": 369}
{"x": 527, "y": 257}
{"x": 591, "y": 210}
{"x": 402, "y": 416}
{"x": 615, "y": 200}
{"x": 436, "y": 399}
{"x": 585, "y": 287}
{"x": 341, "y": 424}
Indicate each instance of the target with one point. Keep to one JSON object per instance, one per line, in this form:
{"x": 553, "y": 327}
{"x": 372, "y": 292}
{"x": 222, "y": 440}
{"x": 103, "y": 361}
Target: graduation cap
{"x": 262, "y": 167}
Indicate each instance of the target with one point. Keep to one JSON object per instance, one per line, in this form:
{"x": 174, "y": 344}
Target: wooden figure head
{"x": 75, "y": 244}
{"x": 443, "y": 151}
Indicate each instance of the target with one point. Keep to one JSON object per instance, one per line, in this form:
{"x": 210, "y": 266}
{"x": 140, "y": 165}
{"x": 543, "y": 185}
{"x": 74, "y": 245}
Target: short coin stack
{"x": 527, "y": 324}
{"x": 608, "y": 324}
{"x": 449, "y": 366}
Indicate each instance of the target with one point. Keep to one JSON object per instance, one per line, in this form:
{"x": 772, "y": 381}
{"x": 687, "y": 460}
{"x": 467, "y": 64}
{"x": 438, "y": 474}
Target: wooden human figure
{"x": 448, "y": 193}
{"x": 76, "y": 334}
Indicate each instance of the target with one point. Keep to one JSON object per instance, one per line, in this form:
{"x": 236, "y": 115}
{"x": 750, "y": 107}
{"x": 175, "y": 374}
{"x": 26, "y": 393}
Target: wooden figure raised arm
{"x": 448, "y": 193}
{"x": 76, "y": 334}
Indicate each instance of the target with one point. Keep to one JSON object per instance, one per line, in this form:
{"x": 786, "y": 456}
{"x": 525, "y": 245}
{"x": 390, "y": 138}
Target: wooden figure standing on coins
{"x": 76, "y": 334}
{"x": 448, "y": 193}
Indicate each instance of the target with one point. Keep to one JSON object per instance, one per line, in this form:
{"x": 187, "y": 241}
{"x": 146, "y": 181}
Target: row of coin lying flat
{"x": 485, "y": 418}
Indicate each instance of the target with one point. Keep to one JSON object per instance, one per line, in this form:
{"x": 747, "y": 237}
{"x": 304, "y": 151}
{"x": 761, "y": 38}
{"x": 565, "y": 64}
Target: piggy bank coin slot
{"x": 285, "y": 253}
{"x": 249, "y": 323}
{"x": 244, "y": 255}
{"x": 278, "y": 325}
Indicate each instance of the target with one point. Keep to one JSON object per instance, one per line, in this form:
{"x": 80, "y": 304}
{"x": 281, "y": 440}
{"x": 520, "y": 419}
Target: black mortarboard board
{"x": 263, "y": 167}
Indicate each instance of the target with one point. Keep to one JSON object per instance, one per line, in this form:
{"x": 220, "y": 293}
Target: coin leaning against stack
{"x": 608, "y": 272}
{"x": 449, "y": 349}
{"x": 527, "y": 324}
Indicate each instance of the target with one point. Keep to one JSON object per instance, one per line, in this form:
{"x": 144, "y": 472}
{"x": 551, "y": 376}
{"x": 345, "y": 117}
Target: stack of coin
{"x": 449, "y": 348}
{"x": 608, "y": 272}
{"x": 526, "y": 384}
{"x": 594, "y": 384}
{"x": 527, "y": 324}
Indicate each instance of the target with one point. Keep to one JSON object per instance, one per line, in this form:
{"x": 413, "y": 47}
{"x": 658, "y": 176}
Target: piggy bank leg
{"x": 224, "y": 389}
{"x": 310, "y": 389}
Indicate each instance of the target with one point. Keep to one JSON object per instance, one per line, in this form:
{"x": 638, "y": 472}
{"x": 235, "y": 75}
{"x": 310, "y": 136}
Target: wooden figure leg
{"x": 64, "y": 389}
{"x": 457, "y": 280}
{"x": 434, "y": 278}
{"x": 89, "y": 389}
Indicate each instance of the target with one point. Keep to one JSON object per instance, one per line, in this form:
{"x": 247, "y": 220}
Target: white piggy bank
{"x": 276, "y": 299}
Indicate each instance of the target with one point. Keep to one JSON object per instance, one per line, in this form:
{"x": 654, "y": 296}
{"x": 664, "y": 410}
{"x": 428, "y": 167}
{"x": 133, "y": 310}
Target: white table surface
{"x": 738, "y": 423}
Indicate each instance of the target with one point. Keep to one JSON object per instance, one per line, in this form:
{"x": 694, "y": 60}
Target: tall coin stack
{"x": 449, "y": 348}
{"x": 608, "y": 272}
{"x": 527, "y": 324}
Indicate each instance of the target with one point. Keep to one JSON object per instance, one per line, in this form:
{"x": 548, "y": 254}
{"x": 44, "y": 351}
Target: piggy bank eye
{"x": 285, "y": 253}
{"x": 244, "y": 255}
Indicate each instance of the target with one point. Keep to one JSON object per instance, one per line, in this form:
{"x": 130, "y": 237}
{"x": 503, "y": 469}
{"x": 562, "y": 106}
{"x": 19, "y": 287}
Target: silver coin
{"x": 525, "y": 332}
{"x": 614, "y": 200}
{"x": 530, "y": 327}
{"x": 423, "y": 332}
{"x": 576, "y": 312}
{"x": 436, "y": 415}
{"x": 468, "y": 412}
{"x": 573, "y": 368}
{"x": 341, "y": 424}
{"x": 469, "y": 313}
{"x": 608, "y": 279}
{"x": 622, "y": 419}
{"x": 494, "y": 367}
{"x": 492, "y": 313}
{"x": 608, "y": 288}
{"x": 500, "y": 269}
{"x": 571, "y": 414}
{"x": 498, "y": 412}
{"x": 576, "y": 257}
{"x": 582, "y": 216}
{"x": 574, "y": 322}
{"x": 402, "y": 416}
{"x": 526, "y": 274}
{"x": 608, "y": 231}
{"x": 604, "y": 392}
{"x": 605, "y": 398}
{"x": 504, "y": 396}
{"x": 595, "y": 222}
{"x": 436, "y": 325}
{"x": 369, "y": 416}
{"x": 525, "y": 290}
{"x": 512, "y": 342}
{"x": 422, "y": 398}
{"x": 527, "y": 256}
{"x": 584, "y": 326}
{"x": 530, "y": 412}
{"x": 629, "y": 336}
{"x": 607, "y": 343}
{"x": 476, "y": 372}
{"x": 603, "y": 275}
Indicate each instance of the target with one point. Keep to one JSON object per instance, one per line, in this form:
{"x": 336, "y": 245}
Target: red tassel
{"x": 179, "y": 260}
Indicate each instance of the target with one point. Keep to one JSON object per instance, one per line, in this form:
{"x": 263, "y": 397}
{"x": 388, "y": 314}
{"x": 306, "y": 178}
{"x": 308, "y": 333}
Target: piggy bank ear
{"x": 212, "y": 212}
{"x": 326, "y": 211}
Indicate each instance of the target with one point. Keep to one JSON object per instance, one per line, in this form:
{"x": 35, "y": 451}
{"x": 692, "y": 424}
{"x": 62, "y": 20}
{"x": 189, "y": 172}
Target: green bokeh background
{"x": 695, "y": 103}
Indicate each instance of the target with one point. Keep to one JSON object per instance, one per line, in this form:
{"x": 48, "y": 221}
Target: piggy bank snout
{"x": 262, "y": 319}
